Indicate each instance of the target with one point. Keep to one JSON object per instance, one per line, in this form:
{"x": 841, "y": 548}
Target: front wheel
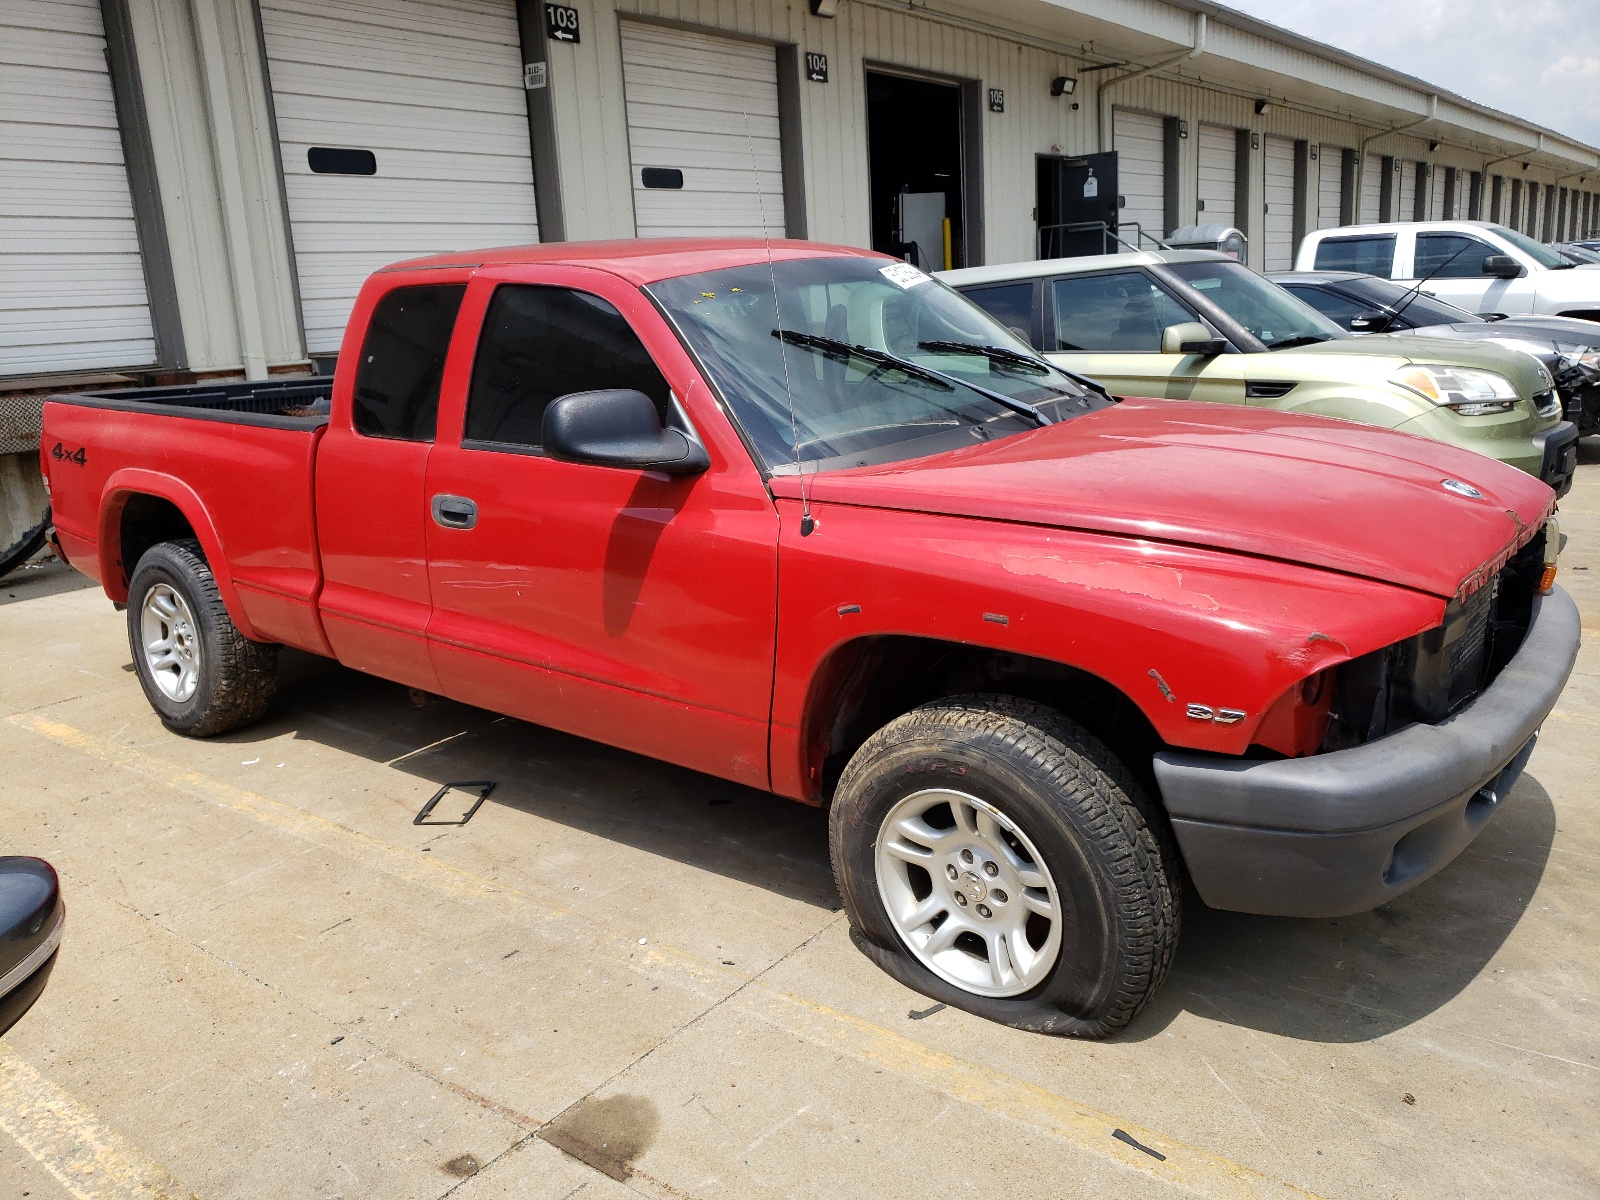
{"x": 993, "y": 855}
{"x": 200, "y": 674}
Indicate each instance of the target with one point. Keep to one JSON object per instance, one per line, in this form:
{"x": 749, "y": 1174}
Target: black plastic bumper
{"x": 1559, "y": 456}
{"x": 1583, "y": 407}
{"x": 1343, "y": 832}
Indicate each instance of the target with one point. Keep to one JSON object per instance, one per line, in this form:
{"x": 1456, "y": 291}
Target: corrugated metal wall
{"x": 586, "y": 81}
{"x": 587, "y": 94}
{"x": 72, "y": 286}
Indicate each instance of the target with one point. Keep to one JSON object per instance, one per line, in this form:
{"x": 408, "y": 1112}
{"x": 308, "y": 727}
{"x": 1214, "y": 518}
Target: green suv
{"x": 1197, "y": 325}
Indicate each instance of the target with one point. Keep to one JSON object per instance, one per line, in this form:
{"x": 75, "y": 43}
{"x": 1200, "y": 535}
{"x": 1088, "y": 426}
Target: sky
{"x": 1535, "y": 59}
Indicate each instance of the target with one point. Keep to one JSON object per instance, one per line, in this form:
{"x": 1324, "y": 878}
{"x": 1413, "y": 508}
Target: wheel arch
{"x": 864, "y": 683}
{"x": 138, "y": 509}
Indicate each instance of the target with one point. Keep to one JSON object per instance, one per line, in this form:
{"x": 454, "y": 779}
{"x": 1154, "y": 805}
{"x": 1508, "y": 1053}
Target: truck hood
{"x": 1578, "y": 286}
{"x": 1323, "y": 493}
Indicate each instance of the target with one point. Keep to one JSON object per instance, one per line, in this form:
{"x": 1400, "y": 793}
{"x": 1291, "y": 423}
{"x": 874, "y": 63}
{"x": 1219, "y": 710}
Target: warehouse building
{"x": 192, "y": 188}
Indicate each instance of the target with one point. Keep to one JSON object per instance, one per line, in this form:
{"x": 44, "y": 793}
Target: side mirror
{"x": 619, "y": 427}
{"x": 1370, "y": 323}
{"x": 1502, "y": 266}
{"x": 31, "y": 917}
{"x": 1191, "y": 337}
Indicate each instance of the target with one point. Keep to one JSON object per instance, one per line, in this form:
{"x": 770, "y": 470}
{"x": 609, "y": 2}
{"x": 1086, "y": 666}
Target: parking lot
{"x": 623, "y": 977}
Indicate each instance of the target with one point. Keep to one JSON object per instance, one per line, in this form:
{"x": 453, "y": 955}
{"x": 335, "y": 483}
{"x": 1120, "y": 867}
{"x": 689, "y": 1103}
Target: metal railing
{"x": 1110, "y": 240}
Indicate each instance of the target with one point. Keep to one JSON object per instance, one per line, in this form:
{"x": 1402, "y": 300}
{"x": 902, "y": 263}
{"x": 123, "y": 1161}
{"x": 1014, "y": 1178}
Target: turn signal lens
{"x": 1467, "y": 390}
{"x": 1552, "y": 550}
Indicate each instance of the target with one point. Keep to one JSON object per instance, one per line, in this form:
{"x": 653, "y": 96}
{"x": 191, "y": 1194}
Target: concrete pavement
{"x": 622, "y": 978}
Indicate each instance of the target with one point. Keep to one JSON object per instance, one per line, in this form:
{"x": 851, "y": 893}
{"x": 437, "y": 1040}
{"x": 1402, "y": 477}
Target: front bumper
{"x": 1558, "y": 455}
{"x": 1583, "y": 408}
{"x": 1343, "y": 832}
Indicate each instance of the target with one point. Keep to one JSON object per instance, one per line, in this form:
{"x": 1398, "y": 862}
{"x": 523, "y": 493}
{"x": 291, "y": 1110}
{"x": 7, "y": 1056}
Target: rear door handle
{"x": 454, "y": 512}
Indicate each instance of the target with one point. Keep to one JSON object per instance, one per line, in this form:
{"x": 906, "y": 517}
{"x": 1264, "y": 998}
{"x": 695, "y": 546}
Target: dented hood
{"x": 1325, "y": 493}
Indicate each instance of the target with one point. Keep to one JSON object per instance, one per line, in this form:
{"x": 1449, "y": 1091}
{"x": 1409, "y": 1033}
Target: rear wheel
{"x": 994, "y": 855}
{"x": 200, "y": 674}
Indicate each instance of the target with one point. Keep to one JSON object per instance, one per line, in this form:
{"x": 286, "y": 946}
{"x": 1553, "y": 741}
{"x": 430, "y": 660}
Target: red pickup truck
{"x": 801, "y": 517}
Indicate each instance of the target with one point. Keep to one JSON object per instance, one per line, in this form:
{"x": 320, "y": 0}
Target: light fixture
{"x": 824, "y": 8}
{"x": 1063, "y": 85}
{"x": 1432, "y": 146}
{"x": 1263, "y": 107}
{"x": 1183, "y": 128}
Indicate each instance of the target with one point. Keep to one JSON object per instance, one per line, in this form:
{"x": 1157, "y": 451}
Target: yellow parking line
{"x": 89, "y": 1159}
{"x": 396, "y": 861}
{"x": 1186, "y": 1167}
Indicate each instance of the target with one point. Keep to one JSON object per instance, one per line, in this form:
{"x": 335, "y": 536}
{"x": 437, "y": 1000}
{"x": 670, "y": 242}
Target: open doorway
{"x": 915, "y": 148}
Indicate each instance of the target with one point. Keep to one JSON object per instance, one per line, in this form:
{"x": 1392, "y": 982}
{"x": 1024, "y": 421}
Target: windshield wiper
{"x": 1308, "y": 339}
{"x": 882, "y": 358}
{"x": 1012, "y": 357}
{"x": 999, "y": 354}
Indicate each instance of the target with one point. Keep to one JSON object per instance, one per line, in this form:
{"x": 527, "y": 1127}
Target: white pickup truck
{"x": 1475, "y": 265}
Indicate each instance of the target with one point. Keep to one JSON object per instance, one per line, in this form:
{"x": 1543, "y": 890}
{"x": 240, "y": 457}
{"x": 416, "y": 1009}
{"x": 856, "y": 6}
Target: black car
{"x": 1570, "y": 348}
{"x": 31, "y": 917}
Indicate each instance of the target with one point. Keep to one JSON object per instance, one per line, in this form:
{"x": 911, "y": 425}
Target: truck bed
{"x": 277, "y": 403}
{"x": 239, "y": 472}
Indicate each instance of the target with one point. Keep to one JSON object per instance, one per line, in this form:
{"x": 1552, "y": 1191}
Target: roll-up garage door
{"x": 1436, "y": 194}
{"x": 404, "y": 131}
{"x": 1141, "y": 174}
{"x": 1371, "y": 188}
{"x": 1218, "y": 148}
{"x": 72, "y": 288}
{"x": 1330, "y": 186}
{"x": 1278, "y": 196}
{"x": 703, "y": 133}
{"x": 1405, "y": 205}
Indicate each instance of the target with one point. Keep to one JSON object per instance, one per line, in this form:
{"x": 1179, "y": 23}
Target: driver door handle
{"x": 454, "y": 512}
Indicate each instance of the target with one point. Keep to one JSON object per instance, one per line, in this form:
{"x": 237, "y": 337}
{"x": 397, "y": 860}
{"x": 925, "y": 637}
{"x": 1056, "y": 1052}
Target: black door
{"x": 1077, "y": 205}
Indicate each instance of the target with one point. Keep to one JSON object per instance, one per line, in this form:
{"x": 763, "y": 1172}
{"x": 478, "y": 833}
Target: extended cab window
{"x": 1126, "y": 310}
{"x": 541, "y": 343}
{"x": 402, "y": 362}
{"x": 1449, "y": 256}
{"x": 1370, "y": 255}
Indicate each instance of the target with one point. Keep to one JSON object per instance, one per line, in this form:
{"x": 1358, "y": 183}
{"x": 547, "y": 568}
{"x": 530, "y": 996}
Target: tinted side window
{"x": 1369, "y": 255}
{"x": 1009, "y": 303}
{"x": 402, "y": 362}
{"x": 1331, "y": 304}
{"x": 1450, "y": 256}
{"x": 540, "y": 343}
{"x": 1123, "y": 311}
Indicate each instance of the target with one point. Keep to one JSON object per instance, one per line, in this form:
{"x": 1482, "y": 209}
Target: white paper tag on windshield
{"x": 903, "y": 274}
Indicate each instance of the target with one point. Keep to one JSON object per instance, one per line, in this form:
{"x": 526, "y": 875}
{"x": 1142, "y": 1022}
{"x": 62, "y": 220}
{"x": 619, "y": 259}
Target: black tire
{"x": 236, "y": 678}
{"x": 1107, "y": 847}
{"x": 25, "y": 546}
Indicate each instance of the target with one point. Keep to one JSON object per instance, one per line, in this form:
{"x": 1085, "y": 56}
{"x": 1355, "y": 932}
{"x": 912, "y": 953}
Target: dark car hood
{"x": 1553, "y": 335}
{"x": 1325, "y": 493}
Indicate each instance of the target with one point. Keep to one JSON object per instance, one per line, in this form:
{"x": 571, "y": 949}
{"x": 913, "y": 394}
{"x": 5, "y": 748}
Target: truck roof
{"x": 640, "y": 261}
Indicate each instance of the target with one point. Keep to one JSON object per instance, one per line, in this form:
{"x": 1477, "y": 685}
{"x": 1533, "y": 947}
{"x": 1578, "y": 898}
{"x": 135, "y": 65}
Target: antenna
{"x": 807, "y": 521}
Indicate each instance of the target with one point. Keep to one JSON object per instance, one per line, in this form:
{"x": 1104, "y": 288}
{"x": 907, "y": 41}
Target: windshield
{"x": 843, "y": 319}
{"x": 1421, "y": 308}
{"x": 1537, "y": 251}
{"x": 1269, "y": 312}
